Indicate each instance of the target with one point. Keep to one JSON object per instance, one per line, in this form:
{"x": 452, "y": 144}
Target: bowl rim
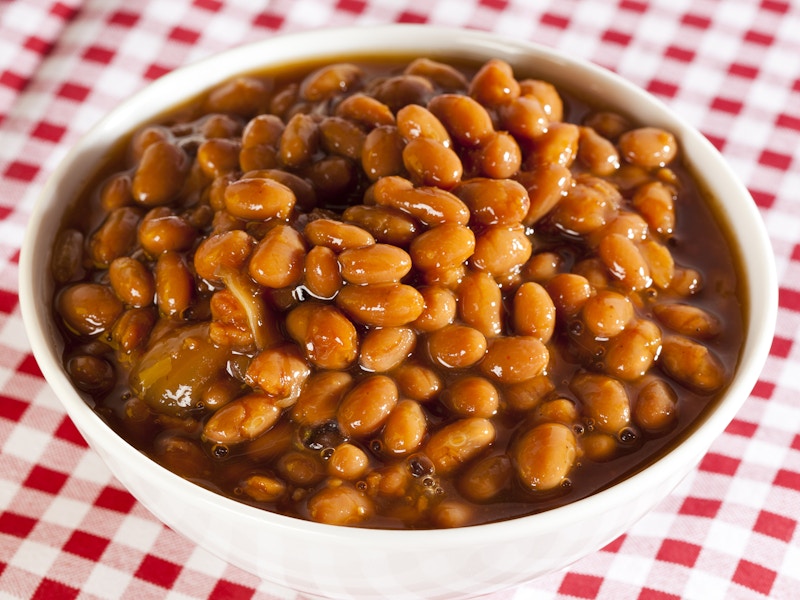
{"x": 759, "y": 321}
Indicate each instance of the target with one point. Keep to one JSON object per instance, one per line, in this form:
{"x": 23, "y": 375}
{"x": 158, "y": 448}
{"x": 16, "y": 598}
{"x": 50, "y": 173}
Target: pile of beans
{"x": 397, "y": 294}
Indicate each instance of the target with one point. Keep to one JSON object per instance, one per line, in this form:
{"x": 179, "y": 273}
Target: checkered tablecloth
{"x": 732, "y": 68}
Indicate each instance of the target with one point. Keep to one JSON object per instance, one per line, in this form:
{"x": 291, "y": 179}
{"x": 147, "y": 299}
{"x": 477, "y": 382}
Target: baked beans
{"x": 398, "y": 294}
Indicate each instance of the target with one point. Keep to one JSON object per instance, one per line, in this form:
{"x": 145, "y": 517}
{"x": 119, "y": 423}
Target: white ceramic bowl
{"x": 344, "y": 562}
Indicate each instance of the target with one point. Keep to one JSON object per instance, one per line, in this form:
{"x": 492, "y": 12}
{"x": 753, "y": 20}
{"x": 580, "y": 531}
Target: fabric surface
{"x": 732, "y": 68}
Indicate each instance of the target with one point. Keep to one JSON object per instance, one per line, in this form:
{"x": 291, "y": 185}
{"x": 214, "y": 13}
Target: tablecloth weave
{"x": 732, "y": 68}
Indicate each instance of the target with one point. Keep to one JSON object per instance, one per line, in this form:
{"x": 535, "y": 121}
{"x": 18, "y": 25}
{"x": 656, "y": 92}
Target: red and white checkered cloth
{"x": 67, "y": 528}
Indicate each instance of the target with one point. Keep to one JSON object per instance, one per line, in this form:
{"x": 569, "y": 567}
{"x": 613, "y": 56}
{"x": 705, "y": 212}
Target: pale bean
{"x": 348, "y": 461}
{"x": 322, "y": 273}
{"x": 365, "y": 408}
{"x": 405, "y": 429}
{"x": 534, "y": 312}
{"x": 597, "y": 153}
{"x": 625, "y": 262}
{"x": 278, "y": 259}
{"x": 659, "y": 262}
{"x": 607, "y": 313}
{"x": 558, "y": 145}
{"x": 459, "y": 443}
{"x": 430, "y": 163}
{"x": 500, "y": 156}
{"x": 381, "y": 304}
{"x": 341, "y": 505}
{"x": 456, "y": 346}
{"x": 587, "y": 206}
{"x": 480, "y": 303}
{"x": 692, "y": 364}
{"x": 132, "y": 281}
{"x": 546, "y": 185}
{"x": 440, "y": 308}
{"x": 608, "y": 124}
{"x": 544, "y": 456}
{"x": 221, "y": 253}
{"x": 320, "y": 397}
{"x": 378, "y": 263}
{"x": 688, "y": 320}
{"x": 630, "y": 354}
{"x": 385, "y": 348}
{"x": 598, "y": 446}
{"x": 655, "y": 201}
{"x": 547, "y": 95}
{"x": 523, "y": 117}
{"x": 656, "y": 408}
{"x": 557, "y": 410}
{"x": 543, "y": 266}
{"x": 174, "y": 284}
{"x": 263, "y": 488}
{"x": 301, "y": 468}
{"x": 279, "y": 372}
{"x": 648, "y": 147}
{"x": 472, "y": 396}
{"x": 514, "y": 358}
{"x": 526, "y": 395}
{"x": 604, "y": 400}
{"x": 336, "y": 235}
{"x": 241, "y": 420}
{"x": 442, "y": 247}
{"x": 569, "y": 293}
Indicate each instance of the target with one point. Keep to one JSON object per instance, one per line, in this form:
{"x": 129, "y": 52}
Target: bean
{"x": 630, "y": 354}
{"x": 402, "y": 90}
{"x": 328, "y": 337}
{"x": 365, "y": 110}
{"x": 258, "y": 199}
{"x": 659, "y": 262}
{"x": 486, "y": 479}
{"x": 365, "y": 408}
{"x": 542, "y": 267}
{"x": 331, "y": 176}
{"x": 277, "y": 260}
{"x": 626, "y": 223}
{"x": 220, "y": 392}
{"x": 655, "y": 202}
{"x": 494, "y": 83}
{"x": 243, "y": 96}
{"x": 607, "y": 313}
{"x": 608, "y": 124}
{"x": 341, "y": 505}
{"x": 416, "y": 381}
{"x": 299, "y": 142}
{"x": 336, "y": 235}
{"x": 263, "y": 488}
{"x": 301, "y": 468}
{"x": 625, "y": 261}
{"x": 381, "y": 304}
{"x": 430, "y": 205}
{"x": 440, "y": 308}
{"x": 472, "y": 396}
{"x": 174, "y": 284}
{"x": 686, "y": 281}
{"x": 597, "y": 153}
{"x": 648, "y": 147}
{"x": 441, "y": 74}
{"x": 91, "y": 374}
{"x": 217, "y": 156}
{"x": 279, "y": 372}
{"x": 500, "y": 156}
{"x": 557, "y": 410}
{"x": 182, "y": 456}
{"x": 329, "y": 81}
{"x": 515, "y": 358}
{"x": 382, "y": 153}
{"x": 385, "y": 348}
{"x": 526, "y": 395}
{"x": 115, "y": 237}
{"x": 534, "y": 312}
{"x": 546, "y": 185}
{"x": 692, "y": 364}
{"x": 348, "y": 462}
{"x": 523, "y": 117}
{"x": 569, "y": 293}
{"x": 161, "y": 230}
{"x": 429, "y": 163}
{"x": 221, "y": 253}
{"x": 387, "y": 225}
{"x": 656, "y": 408}
{"x": 229, "y": 324}
{"x": 501, "y": 249}
{"x": 688, "y": 320}
{"x": 556, "y": 146}
{"x": 494, "y": 202}
{"x": 450, "y": 513}
{"x": 415, "y": 121}
{"x": 604, "y": 399}
{"x": 456, "y": 346}
{"x": 480, "y": 303}
{"x": 547, "y": 95}
{"x": 405, "y": 429}
{"x": 467, "y": 121}
{"x": 241, "y": 420}
{"x": 443, "y": 246}
{"x": 320, "y": 397}
{"x": 146, "y": 136}
{"x": 378, "y": 263}
{"x": 263, "y": 130}
{"x": 132, "y": 281}
{"x": 447, "y": 277}
{"x": 587, "y": 206}
{"x": 544, "y": 456}
{"x": 160, "y": 175}
{"x": 322, "y": 273}
{"x": 459, "y": 443}
{"x": 343, "y": 137}
{"x": 304, "y": 193}
{"x": 66, "y": 263}
{"x": 132, "y": 329}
